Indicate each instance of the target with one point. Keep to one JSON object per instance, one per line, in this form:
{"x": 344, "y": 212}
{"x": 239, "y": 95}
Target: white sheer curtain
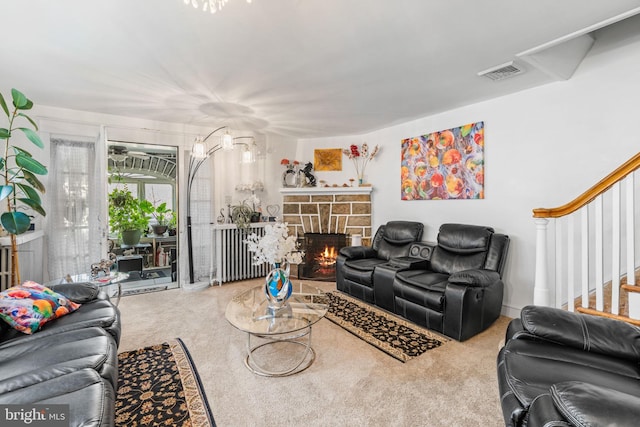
{"x": 201, "y": 218}
{"x": 74, "y": 217}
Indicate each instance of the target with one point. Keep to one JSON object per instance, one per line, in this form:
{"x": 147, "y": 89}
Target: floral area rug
{"x": 389, "y": 333}
{"x": 159, "y": 385}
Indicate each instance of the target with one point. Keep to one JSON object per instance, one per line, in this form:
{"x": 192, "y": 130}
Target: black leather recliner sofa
{"x": 459, "y": 292}
{"x": 453, "y": 287}
{"x": 355, "y": 265}
{"x": 72, "y": 360}
{"x": 559, "y": 368}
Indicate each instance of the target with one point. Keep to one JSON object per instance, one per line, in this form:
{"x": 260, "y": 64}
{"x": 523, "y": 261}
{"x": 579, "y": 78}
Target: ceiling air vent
{"x": 501, "y": 72}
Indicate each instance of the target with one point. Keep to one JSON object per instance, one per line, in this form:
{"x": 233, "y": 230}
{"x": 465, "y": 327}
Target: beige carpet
{"x": 350, "y": 382}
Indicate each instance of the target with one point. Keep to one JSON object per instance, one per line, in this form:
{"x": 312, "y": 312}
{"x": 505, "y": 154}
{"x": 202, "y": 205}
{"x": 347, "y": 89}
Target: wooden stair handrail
{"x": 586, "y": 197}
{"x": 593, "y": 312}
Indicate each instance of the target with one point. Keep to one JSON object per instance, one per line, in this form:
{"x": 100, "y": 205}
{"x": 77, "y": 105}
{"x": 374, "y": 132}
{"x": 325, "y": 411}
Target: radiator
{"x": 5, "y": 267}
{"x": 233, "y": 261}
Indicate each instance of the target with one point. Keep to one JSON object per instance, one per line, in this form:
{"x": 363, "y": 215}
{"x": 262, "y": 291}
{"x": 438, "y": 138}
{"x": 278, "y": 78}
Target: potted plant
{"x": 160, "y": 213}
{"x": 126, "y": 216}
{"x": 173, "y": 223}
{"x": 19, "y": 184}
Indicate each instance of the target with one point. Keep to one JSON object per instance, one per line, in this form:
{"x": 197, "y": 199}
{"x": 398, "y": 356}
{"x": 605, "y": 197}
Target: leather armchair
{"x": 559, "y": 368}
{"x": 72, "y": 360}
{"x": 356, "y": 264}
{"x": 459, "y": 292}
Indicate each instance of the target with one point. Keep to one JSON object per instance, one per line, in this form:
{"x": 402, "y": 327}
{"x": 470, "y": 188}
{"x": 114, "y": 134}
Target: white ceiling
{"x": 301, "y": 68}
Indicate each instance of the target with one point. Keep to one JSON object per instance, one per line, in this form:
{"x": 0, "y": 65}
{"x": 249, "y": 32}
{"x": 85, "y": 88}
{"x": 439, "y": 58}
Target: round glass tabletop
{"x": 250, "y": 312}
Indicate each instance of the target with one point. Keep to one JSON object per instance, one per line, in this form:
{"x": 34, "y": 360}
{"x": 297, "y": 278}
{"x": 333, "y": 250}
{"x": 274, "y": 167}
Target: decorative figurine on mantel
{"x": 309, "y": 179}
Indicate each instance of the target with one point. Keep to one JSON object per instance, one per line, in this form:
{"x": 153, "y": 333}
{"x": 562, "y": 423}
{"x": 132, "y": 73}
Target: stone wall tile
{"x": 309, "y": 209}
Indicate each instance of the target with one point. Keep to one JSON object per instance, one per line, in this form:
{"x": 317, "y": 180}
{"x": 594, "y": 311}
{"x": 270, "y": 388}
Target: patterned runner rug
{"x": 389, "y": 333}
{"x": 159, "y": 385}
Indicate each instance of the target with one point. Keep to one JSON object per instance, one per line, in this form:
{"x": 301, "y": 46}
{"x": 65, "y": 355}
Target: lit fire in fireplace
{"x": 327, "y": 258}
{"x": 321, "y": 257}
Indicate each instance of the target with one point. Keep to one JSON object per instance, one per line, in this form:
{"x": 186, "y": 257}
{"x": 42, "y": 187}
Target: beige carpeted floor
{"x": 350, "y": 383}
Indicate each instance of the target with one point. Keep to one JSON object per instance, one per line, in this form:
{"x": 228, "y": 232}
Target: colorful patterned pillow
{"x": 29, "y": 306}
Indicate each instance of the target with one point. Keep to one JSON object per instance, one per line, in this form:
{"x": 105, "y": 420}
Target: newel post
{"x": 541, "y": 284}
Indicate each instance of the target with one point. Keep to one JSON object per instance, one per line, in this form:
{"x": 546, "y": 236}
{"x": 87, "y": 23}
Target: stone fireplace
{"x": 315, "y": 214}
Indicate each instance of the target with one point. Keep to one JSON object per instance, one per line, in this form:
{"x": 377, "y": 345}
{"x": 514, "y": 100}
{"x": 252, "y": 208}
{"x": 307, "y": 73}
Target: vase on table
{"x": 278, "y": 286}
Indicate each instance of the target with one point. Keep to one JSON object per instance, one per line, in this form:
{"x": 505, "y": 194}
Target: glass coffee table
{"x": 115, "y": 278}
{"x": 278, "y": 340}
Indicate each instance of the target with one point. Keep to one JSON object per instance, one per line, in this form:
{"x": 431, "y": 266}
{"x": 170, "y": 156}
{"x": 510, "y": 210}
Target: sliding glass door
{"x": 149, "y": 174}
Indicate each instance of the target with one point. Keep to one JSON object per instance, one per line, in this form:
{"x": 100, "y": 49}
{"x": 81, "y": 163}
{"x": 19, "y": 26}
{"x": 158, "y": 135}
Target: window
{"x": 74, "y": 241}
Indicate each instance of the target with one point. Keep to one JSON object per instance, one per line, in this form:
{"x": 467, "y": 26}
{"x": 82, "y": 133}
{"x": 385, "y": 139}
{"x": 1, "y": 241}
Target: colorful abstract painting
{"x": 448, "y": 164}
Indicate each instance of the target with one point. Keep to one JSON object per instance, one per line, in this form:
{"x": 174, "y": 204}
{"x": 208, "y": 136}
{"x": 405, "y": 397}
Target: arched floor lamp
{"x": 200, "y": 154}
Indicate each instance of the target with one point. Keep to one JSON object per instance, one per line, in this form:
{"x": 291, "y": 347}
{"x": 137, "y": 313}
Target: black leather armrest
{"x": 408, "y": 263}
{"x": 358, "y": 252}
{"x": 477, "y": 278}
{"x": 541, "y": 412}
{"x": 81, "y": 292}
{"x": 584, "y": 404}
{"x": 589, "y": 333}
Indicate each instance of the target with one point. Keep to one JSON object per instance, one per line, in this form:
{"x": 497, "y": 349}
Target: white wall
{"x": 543, "y": 147}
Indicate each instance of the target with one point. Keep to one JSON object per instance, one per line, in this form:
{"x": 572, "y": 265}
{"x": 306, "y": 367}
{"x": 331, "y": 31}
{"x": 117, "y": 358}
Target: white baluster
{"x": 571, "y": 265}
{"x": 615, "y": 248}
{"x": 541, "y": 285}
{"x": 630, "y": 224}
{"x": 584, "y": 236}
{"x": 559, "y": 264}
{"x": 599, "y": 255}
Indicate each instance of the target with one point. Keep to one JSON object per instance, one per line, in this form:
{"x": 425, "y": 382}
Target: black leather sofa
{"x": 453, "y": 286}
{"x": 355, "y": 264}
{"x": 459, "y": 292}
{"x": 559, "y": 368}
{"x": 72, "y": 360}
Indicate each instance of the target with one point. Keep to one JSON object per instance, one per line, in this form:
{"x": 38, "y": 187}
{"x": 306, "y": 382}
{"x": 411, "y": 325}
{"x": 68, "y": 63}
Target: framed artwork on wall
{"x": 448, "y": 164}
{"x": 327, "y": 159}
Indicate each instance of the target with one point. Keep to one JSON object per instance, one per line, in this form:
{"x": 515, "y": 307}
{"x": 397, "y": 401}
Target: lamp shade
{"x": 249, "y": 155}
{"x": 199, "y": 149}
{"x": 227, "y": 142}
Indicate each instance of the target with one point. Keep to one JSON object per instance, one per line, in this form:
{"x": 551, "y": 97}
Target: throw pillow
{"x": 29, "y": 306}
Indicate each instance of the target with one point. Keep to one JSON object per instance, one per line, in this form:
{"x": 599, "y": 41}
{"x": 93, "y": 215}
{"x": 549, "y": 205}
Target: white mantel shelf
{"x": 22, "y": 238}
{"x": 326, "y": 190}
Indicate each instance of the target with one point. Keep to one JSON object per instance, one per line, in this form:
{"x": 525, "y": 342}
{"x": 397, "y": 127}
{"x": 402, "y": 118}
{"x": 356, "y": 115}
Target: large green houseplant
{"x": 160, "y": 213}
{"x": 19, "y": 184}
{"x": 127, "y": 217}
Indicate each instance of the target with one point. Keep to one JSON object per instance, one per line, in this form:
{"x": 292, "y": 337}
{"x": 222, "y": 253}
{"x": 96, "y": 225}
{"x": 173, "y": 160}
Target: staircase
{"x": 628, "y": 292}
{"x": 586, "y": 249}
